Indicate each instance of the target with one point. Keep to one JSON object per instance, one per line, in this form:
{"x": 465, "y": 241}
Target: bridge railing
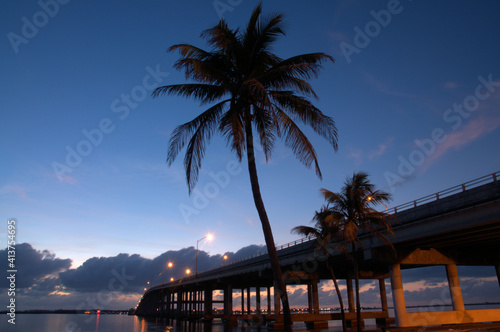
{"x": 446, "y": 192}
{"x": 409, "y": 205}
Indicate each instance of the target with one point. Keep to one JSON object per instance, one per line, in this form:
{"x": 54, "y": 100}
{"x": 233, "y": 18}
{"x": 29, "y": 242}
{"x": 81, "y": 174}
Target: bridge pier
{"x": 313, "y": 301}
{"x": 249, "y": 309}
{"x": 208, "y": 303}
{"x": 455, "y": 290}
{"x": 257, "y": 300}
{"x": 398, "y": 296}
{"x": 228, "y": 316}
{"x": 278, "y": 317}
{"x": 352, "y": 305}
{"x": 383, "y": 302}
{"x": 497, "y": 269}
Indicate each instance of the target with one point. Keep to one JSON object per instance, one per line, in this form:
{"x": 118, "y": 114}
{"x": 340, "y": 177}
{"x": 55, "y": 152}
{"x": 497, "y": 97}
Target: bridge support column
{"x": 228, "y": 306}
{"x": 497, "y": 269}
{"x": 269, "y": 300}
{"x": 166, "y": 311}
{"x": 180, "y": 294}
{"x": 207, "y": 303}
{"x": 455, "y": 290}
{"x": 243, "y": 301}
{"x": 383, "y": 302}
{"x": 257, "y": 300}
{"x": 309, "y": 298}
{"x": 350, "y": 301}
{"x": 398, "y": 296}
{"x": 249, "y": 311}
{"x": 278, "y": 317}
{"x": 189, "y": 303}
{"x": 314, "y": 300}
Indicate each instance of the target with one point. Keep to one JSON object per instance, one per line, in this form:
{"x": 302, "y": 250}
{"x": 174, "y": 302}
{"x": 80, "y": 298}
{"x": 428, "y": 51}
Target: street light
{"x": 209, "y": 237}
{"x": 188, "y": 271}
{"x": 169, "y": 265}
{"x": 369, "y": 198}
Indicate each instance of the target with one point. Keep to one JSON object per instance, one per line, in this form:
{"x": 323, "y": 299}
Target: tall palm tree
{"x": 353, "y": 212}
{"x": 326, "y": 230}
{"x": 252, "y": 91}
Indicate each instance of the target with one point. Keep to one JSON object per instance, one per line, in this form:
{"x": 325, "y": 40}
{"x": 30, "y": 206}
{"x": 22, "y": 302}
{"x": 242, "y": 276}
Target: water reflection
{"x": 97, "y": 322}
{"x": 164, "y": 325}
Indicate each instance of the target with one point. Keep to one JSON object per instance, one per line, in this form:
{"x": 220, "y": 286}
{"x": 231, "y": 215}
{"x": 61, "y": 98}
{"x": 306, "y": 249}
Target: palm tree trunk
{"x": 266, "y": 228}
{"x": 358, "y": 302}
{"x": 339, "y": 295}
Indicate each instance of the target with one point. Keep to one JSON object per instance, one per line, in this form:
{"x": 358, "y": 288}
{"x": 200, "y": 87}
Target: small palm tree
{"x": 349, "y": 214}
{"x": 326, "y": 230}
{"x": 253, "y": 92}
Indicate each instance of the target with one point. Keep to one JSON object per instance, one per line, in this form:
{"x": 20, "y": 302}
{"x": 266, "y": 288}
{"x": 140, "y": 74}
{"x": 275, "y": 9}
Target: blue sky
{"x": 414, "y": 91}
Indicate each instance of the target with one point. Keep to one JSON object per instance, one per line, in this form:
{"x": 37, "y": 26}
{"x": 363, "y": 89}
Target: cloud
{"x": 470, "y": 132}
{"x": 96, "y": 273}
{"x": 357, "y": 156}
{"x": 33, "y": 265}
{"x": 381, "y": 149}
{"x": 10, "y": 189}
{"x": 450, "y": 85}
{"x": 383, "y": 87}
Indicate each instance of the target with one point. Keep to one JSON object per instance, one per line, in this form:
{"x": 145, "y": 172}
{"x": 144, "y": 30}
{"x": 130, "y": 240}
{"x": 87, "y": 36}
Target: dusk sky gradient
{"x": 415, "y": 96}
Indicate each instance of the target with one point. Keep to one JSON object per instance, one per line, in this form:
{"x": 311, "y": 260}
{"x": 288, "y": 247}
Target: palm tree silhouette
{"x": 350, "y": 215}
{"x": 326, "y": 230}
{"x": 251, "y": 91}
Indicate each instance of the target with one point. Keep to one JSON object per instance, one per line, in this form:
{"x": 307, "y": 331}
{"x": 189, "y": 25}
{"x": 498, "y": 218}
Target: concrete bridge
{"x": 457, "y": 226}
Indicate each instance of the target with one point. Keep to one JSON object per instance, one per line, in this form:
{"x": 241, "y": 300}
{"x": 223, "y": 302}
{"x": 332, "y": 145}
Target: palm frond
{"x": 204, "y": 92}
{"x": 190, "y": 51}
{"x": 306, "y": 231}
{"x": 265, "y": 125}
{"x": 302, "y": 109}
{"x": 231, "y": 127}
{"x": 298, "y": 142}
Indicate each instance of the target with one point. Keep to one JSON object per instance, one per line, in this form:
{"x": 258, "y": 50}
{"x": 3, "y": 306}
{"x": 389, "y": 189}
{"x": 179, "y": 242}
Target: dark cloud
{"x": 96, "y": 274}
{"x": 124, "y": 272}
{"x": 32, "y": 265}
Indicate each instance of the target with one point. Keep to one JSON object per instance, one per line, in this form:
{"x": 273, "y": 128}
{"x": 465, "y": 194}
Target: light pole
{"x": 209, "y": 237}
{"x": 369, "y": 198}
